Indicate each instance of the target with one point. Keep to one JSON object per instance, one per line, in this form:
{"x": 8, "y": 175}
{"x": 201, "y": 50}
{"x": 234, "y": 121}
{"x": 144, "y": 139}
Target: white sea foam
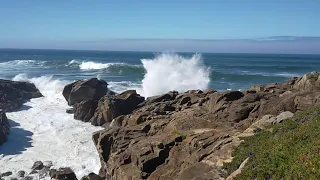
{"x": 73, "y": 62}
{"x": 21, "y": 63}
{"x": 93, "y": 65}
{"x": 90, "y": 65}
{"x": 46, "y": 132}
{"x": 168, "y": 72}
{"x": 125, "y": 85}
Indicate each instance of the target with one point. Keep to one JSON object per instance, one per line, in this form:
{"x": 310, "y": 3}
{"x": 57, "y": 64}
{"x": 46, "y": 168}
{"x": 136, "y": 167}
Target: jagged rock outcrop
{"x": 88, "y": 90}
{"x": 190, "y": 135}
{"x": 110, "y": 107}
{"x": 13, "y": 94}
{"x": 102, "y": 108}
{"x": 4, "y": 127}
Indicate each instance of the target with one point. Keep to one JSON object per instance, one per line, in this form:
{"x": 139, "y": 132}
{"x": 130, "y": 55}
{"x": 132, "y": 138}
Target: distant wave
{"x": 252, "y": 77}
{"x": 90, "y": 65}
{"x": 22, "y": 62}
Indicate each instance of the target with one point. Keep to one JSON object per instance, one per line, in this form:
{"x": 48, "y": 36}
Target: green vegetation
{"x": 290, "y": 151}
{"x": 176, "y": 132}
{"x": 314, "y": 77}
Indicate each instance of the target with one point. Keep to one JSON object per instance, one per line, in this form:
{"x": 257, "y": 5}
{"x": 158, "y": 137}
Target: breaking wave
{"x": 168, "y": 72}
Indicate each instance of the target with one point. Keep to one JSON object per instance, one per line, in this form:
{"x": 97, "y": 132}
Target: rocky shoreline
{"x": 183, "y": 136}
{"x": 12, "y": 96}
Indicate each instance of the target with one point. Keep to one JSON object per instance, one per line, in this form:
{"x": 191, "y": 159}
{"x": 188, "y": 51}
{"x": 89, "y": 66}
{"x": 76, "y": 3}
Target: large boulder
{"x": 13, "y": 94}
{"x": 4, "y": 127}
{"x": 110, "y": 107}
{"x": 84, "y": 110}
{"x": 309, "y": 82}
{"x": 88, "y": 90}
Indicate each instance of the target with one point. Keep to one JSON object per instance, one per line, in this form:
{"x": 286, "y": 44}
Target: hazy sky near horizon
{"x": 163, "y": 25}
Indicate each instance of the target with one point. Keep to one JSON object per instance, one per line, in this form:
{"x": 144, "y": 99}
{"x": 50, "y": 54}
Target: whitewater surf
{"x": 42, "y": 131}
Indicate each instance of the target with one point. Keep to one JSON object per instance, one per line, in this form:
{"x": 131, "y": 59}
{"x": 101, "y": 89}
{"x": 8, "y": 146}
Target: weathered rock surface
{"x": 88, "y": 90}
{"x": 190, "y": 135}
{"x": 62, "y": 174}
{"x": 13, "y": 94}
{"x": 112, "y": 107}
{"x": 107, "y": 108}
{"x": 4, "y": 127}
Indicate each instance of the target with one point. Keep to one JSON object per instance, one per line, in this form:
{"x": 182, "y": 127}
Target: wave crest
{"x": 168, "y": 72}
{"x": 22, "y": 63}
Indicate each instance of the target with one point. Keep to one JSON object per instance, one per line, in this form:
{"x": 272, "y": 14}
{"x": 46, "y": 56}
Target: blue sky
{"x": 87, "y": 24}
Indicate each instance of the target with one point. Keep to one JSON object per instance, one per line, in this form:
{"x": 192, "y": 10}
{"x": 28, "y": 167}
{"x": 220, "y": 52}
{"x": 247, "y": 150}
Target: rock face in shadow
{"x": 13, "y": 94}
{"x": 190, "y": 135}
{"x": 112, "y": 107}
{"x": 4, "y": 127}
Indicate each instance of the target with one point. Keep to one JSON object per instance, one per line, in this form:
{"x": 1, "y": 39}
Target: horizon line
{"x": 136, "y": 51}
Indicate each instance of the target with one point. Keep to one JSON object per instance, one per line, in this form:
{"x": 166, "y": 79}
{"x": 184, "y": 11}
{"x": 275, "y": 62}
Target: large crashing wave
{"x": 168, "y": 72}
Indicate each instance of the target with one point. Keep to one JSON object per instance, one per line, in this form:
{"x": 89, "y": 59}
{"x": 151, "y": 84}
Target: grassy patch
{"x": 290, "y": 151}
{"x": 176, "y": 132}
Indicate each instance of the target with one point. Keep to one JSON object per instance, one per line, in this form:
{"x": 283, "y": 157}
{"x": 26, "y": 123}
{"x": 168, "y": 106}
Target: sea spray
{"x": 51, "y": 88}
{"x": 169, "y": 71}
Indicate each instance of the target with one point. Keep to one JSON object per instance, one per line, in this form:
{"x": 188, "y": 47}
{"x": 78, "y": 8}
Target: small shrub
{"x": 176, "y": 132}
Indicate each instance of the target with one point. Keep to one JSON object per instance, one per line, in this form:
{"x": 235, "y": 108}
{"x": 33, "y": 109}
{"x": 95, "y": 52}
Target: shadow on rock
{"x": 19, "y": 139}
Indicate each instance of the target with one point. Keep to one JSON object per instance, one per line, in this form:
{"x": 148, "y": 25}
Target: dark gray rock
{"x": 21, "y": 173}
{"x": 62, "y": 174}
{"x": 28, "y": 178}
{"x": 91, "y": 176}
{"x": 4, "y": 127}
{"x": 9, "y": 173}
{"x": 37, "y": 165}
{"x": 44, "y": 172}
{"x": 70, "y": 111}
{"x": 13, "y": 94}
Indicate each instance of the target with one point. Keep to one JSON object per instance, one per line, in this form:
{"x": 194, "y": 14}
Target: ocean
{"x": 162, "y": 71}
{"x": 43, "y": 131}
